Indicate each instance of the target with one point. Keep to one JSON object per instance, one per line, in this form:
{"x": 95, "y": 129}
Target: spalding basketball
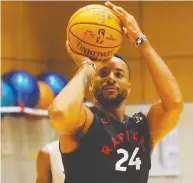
{"x": 94, "y": 31}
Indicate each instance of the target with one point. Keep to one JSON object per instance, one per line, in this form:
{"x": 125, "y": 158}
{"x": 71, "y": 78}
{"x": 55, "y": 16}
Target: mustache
{"x": 109, "y": 86}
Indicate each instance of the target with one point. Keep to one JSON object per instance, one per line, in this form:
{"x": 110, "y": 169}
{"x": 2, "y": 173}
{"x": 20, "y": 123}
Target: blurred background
{"x": 33, "y": 49}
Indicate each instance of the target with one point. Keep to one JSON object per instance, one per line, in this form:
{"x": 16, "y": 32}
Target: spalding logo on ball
{"x": 94, "y": 31}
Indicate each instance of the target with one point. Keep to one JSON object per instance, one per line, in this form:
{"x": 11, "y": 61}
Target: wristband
{"x": 140, "y": 40}
{"x": 90, "y": 63}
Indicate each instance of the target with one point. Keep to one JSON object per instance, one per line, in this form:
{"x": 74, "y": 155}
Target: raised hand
{"x": 77, "y": 58}
{"x": 130, "y": 26}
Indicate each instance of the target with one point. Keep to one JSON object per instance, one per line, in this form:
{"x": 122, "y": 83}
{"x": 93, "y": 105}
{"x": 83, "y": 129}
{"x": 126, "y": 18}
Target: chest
{"x": 122, "y": 148}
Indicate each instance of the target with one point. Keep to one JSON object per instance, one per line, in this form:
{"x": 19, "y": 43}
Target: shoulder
{"x": 95, "y": 111}
{"x": 139, "y": 117}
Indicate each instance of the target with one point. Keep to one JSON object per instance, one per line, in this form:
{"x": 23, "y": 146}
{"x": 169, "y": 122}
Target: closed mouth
{"x": 110, "y": 88}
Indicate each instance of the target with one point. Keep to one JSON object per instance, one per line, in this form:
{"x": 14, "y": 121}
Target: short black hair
{"x": 124, "y": 60}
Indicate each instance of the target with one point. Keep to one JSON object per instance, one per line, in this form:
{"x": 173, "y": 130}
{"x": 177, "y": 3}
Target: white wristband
{"x": 90, "y": 63}
{"x": 140, "y": 40}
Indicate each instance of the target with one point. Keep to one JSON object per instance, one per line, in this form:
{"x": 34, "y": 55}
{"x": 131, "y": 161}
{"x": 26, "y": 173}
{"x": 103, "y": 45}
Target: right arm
{"x": 67, "y": 112}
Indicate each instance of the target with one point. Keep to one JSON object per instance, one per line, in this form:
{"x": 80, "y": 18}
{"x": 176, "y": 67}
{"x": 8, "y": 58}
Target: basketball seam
{"x": 96, "y": 24}
{"x": 86, "y": 10}
{"x": 68, "y": 28}
{"x": 92, "y": 44}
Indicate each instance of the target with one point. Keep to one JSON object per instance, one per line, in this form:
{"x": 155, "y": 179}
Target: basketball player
{"x": 49, "y": 164}
{"x": 101, "y": 144}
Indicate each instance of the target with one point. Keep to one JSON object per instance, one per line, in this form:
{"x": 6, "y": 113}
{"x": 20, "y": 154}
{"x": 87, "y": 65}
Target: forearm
{"x": 68, "y": 104}
{"x": 164, "y": 81}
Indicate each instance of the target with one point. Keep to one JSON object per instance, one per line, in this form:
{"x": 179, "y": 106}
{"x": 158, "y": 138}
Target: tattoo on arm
{"x": 87, "y": 80}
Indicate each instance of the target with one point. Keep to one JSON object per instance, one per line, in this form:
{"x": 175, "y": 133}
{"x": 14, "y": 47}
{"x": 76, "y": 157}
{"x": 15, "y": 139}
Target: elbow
{"x": 54, "y": 112}
{"x": 57, "y": 119}
{"x": 178, "y": 104}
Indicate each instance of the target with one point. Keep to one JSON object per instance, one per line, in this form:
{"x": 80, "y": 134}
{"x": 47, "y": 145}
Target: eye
{"x": 119, "y": 75}
{"x": 103, "y": 73}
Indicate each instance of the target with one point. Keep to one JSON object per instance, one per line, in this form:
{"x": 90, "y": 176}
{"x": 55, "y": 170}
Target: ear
{"x": 90, "y": 88}
{"x": 129, "y": 88}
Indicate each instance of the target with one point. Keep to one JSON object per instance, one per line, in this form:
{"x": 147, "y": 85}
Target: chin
{"x": 110, "y": 97}
{"x": 109, "y": 100}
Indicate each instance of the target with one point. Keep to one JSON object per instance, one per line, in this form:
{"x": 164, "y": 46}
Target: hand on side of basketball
{"x": 130, "y": 27}
{"x": 78, "y": 59}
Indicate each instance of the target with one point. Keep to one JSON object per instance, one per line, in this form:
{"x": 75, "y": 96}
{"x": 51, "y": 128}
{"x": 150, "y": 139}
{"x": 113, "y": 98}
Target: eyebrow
{"x": 121, "y": 70}
{"x": 103, "y": 68}
{"x": 117, "y": 69}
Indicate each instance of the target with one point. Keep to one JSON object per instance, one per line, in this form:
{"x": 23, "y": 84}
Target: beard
{"x": 110, "y": 101}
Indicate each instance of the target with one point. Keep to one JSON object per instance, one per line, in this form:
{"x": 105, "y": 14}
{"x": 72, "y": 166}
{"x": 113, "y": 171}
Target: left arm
{"x": 164, "y": 115}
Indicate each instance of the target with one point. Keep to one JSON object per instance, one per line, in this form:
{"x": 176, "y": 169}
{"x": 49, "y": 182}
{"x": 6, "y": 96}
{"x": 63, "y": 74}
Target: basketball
{"x": 94, "y": 31}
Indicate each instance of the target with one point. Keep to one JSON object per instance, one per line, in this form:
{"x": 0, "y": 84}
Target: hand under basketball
{"x": 77, "y": 58}
{"x": 130, "y": 26}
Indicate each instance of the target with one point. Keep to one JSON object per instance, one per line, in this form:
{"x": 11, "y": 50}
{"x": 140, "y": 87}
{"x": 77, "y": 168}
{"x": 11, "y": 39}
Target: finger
{"x": 69, "y": 50}
{"x": 121, "y": 10}
{"x": 112, "y": 6}
{"x": 109, "y": 4}
{"x": 120, "y": 15}
{"x": 125, "y": 32}
{"x": 68, "y": 45}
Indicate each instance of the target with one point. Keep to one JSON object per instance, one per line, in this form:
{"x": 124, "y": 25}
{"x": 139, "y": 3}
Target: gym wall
{"x": 34, "y": 34}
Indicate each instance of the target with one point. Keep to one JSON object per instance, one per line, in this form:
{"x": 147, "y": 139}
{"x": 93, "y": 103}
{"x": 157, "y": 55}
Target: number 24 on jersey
{"x": 134, "y": 161}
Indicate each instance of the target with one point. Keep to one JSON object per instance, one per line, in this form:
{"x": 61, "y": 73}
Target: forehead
{"x": 114, "y": 63}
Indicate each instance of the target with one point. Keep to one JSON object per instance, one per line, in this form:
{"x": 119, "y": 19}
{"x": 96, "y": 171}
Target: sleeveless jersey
{"x": 57, "y": 169}
{"x": 111, "y": 152}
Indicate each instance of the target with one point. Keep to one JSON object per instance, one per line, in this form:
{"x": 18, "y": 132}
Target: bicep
{"x": 161, "y": 121}
{"x": 65, "y": 125}
{"x": 69, "y": 140}
{"x": 43, "y": 168}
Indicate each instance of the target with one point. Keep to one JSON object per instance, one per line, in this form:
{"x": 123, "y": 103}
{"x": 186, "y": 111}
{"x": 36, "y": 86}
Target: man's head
{"x": 111, "y": 83}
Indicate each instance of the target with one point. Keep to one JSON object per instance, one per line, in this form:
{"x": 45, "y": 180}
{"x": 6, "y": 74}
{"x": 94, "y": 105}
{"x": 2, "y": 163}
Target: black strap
{"x": 109, "y": 128}
{"x": 106, "y": 123}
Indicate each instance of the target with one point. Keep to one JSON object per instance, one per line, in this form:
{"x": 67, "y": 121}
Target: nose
{"x": 111, "y": 79}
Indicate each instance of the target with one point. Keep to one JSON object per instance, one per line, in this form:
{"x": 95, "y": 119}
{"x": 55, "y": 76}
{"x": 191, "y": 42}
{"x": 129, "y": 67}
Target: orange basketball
{"x": 95, "y": 31}
{"x": 46, "y": 95}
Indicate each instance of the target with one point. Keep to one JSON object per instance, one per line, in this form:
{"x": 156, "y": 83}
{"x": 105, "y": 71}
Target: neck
{"x": 116, "y": 112}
